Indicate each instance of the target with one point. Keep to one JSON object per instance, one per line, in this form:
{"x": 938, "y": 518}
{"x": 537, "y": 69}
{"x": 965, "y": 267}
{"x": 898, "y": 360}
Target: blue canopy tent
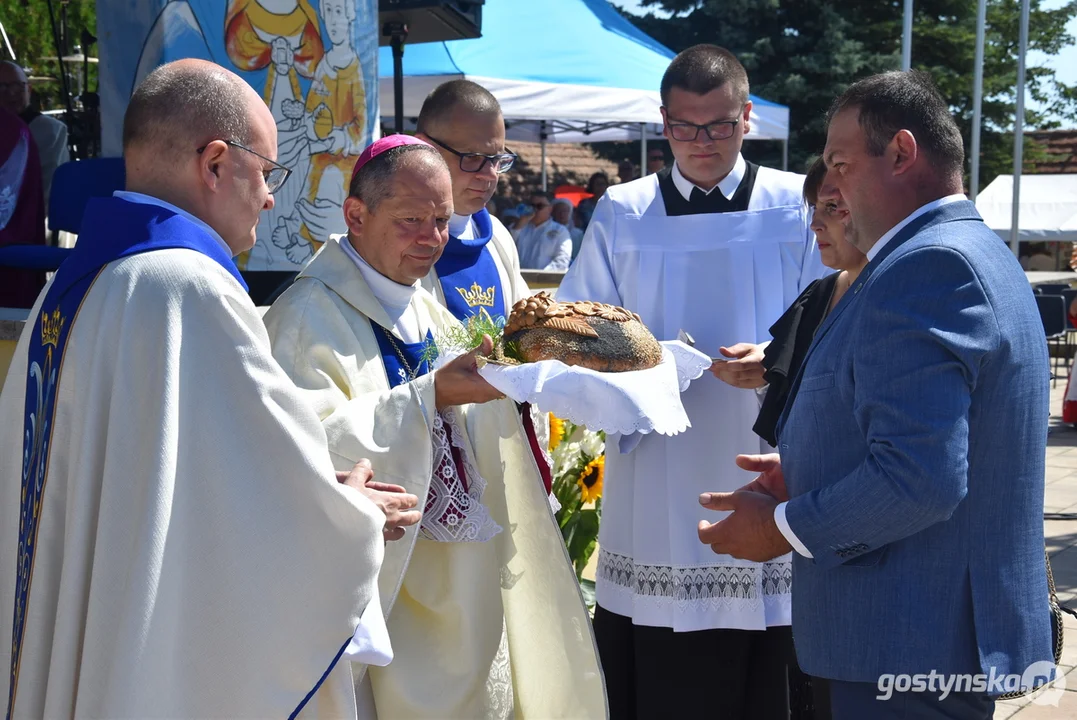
{"x": 563, "y": 71}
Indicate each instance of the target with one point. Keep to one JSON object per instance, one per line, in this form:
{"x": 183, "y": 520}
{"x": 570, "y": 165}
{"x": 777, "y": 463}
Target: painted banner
{"x": 313, "y": 61}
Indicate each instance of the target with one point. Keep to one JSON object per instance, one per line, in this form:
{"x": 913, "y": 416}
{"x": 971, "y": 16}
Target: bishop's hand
{"x": 459, "y": 382}
{"x": 393, "y": 500}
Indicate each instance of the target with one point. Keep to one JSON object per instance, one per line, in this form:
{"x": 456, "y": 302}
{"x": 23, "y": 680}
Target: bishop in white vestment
{"x": 483, "y": 610}
{"x": 721, "y": 263}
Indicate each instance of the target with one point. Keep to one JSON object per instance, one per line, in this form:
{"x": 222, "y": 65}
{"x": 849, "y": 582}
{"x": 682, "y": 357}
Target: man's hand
{"x": 750, "y": 533}
{"x": 394, "y": 501}
{"x": 745, "y": 370}
{"x": 459, "y": 382}
{"x": 771, "y": 480}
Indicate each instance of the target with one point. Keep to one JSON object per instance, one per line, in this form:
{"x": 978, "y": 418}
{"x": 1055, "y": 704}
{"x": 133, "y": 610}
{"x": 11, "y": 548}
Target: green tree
{"x": 803, "y": 53}
{"x": 29, "y": 29}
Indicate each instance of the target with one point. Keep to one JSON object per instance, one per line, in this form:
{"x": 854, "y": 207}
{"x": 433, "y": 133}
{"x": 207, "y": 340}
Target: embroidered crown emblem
{"x": 477, "y": 296}
{"x": 50, "y": 327}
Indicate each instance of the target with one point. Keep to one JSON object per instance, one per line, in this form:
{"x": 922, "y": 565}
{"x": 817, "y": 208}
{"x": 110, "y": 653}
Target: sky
{"x": 1065, "y": 63}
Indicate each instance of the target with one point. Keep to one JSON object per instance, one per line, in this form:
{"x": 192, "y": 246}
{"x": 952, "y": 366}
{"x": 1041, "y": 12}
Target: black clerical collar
{"x": 701, "y": 203}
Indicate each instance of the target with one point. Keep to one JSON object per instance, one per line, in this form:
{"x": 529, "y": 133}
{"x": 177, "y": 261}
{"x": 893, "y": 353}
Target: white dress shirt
{"x": 779, "y": 512}
{"x": 546, "y": 246}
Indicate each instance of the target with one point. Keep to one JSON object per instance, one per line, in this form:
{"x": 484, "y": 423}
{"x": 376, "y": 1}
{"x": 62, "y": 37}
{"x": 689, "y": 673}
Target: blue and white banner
{"x": 313, "y": 61}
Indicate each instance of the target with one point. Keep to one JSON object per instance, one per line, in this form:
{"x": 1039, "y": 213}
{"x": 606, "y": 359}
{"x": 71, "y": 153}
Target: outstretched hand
{"x": 744, "y": 369}
{"x": 459, "y": 382}
{"x": 750, "y": 532}
{"x": 393, "y": 500}
{"x": 771, "y": 480}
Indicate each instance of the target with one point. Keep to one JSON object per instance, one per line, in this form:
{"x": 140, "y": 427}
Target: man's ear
{"x": 355, "y": 214}
{"x": 904, "y": 150}
{"x": 746, "y": 117}
{"x": 210, "y": 162}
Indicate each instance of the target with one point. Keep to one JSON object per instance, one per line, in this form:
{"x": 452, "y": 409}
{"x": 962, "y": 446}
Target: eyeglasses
{"x": 475, "y": 162}
{"x": 274, "y": 176}
{"x": 540, "y": 205}
{"x": 688, "y": 132}
{"x": 13, "y": 85}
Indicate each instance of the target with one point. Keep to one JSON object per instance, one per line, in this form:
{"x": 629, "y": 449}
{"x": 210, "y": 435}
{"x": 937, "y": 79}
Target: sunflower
{"x": 557, "y": 431}
{"x": 590, "y": 481}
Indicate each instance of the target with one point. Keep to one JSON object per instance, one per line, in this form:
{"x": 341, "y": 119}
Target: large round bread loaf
{"x": 592, "y": 335}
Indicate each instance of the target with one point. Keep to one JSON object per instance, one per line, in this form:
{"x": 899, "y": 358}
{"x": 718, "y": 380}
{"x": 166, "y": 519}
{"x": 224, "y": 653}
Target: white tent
{"x": 1048, "y": 207}
{"x": 576, "y": 65}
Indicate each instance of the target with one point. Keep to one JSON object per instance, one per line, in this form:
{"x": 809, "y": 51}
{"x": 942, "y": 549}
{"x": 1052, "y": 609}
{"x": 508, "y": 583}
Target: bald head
{"x": 183, "y": 105}
{"x": 452, "y": 97}
{"x": 14, "y": 89}
{"x": 197, "y": 136}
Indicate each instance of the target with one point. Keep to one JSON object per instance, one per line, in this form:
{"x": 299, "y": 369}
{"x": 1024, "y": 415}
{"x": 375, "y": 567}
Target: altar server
{"x": 175, "y": 541}
{"x": 482, "y": 604}
{"x": 718, "y": 247}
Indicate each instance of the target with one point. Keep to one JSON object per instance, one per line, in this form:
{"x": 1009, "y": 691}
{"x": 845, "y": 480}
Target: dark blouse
{"x": 792, "y": 336}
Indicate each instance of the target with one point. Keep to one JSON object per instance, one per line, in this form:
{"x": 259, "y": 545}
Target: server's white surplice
{"x": 724, "y": 278}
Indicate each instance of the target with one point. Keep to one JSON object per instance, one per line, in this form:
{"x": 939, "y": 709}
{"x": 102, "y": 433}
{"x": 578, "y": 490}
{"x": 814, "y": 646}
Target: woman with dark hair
{"x": 597, "y": 186}
{"x": 793, "y": 332}
{"x": 22, "y": 208}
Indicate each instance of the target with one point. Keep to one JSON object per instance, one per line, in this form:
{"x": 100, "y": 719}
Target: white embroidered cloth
{"x": 640, "y": 401}
{"x": 454, "y": 511}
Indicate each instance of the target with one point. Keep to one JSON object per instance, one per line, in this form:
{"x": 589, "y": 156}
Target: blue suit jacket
{"x": 914, "y": 457}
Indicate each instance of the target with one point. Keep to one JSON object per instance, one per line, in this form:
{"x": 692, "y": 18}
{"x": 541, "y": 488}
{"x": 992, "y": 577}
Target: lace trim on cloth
{"x": 454, "y": 511}
{"x": 711, "y": 585}
{"x": 499, "y": 701}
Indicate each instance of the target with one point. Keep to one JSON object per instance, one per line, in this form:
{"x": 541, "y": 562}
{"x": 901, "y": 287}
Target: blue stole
{"x": 468, "y": 274}
{"x": 395, "y": 369}
{"x": 112, "y": 228}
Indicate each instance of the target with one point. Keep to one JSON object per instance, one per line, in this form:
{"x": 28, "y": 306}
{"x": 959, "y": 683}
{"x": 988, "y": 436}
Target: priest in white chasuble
{"x": 717, "y": 247}
{"x": 479, "y": 269}
{"x": 483, "y": 609}
{"x": 174, "y": 540}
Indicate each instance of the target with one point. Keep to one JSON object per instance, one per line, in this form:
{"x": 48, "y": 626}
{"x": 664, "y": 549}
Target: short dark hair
{"x": 597, "y": 176}
{"x": 702, "y": 68}
{"x": 446, "y": 97}
{"x": 181, "y": 104}
{"x": 544, "y": 193}
{"x": 813, "y": 180}
{"x": 374, "y": 181}
{"x": 905, "y": 100}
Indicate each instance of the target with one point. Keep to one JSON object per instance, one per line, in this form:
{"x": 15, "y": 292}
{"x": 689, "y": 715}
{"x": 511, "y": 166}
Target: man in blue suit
{"x": 911, "y": 471}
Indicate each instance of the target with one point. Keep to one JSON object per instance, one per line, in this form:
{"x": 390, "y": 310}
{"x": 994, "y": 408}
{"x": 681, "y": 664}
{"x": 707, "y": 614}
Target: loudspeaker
{"x": 431, "y": 20}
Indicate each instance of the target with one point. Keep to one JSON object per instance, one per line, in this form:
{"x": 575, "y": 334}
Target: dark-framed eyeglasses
{"x": 471, "y": 162}
{"x": 274, "y": 177}
{"x": 688, "y": 132}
